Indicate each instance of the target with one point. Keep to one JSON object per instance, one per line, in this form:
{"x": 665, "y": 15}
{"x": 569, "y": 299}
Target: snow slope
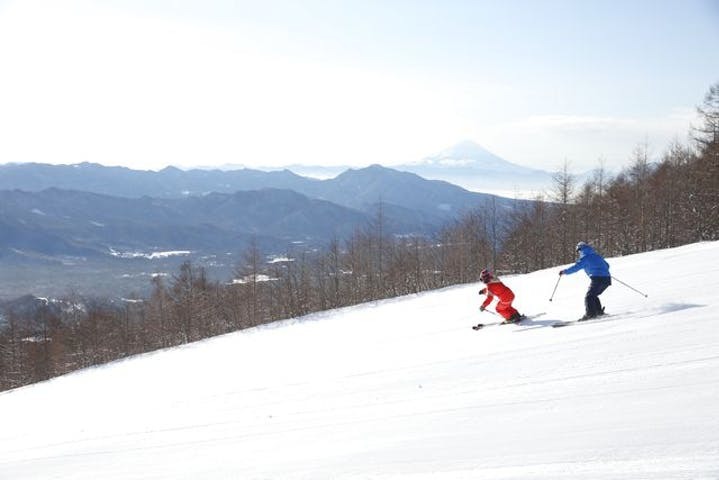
{"x": 404, "y": 389}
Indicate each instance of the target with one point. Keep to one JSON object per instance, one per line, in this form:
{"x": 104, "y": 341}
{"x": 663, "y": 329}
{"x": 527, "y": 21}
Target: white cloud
{"x": 583, "y": 140}
{"x": 597, "y": 124}
{"x": 574, "y": 123}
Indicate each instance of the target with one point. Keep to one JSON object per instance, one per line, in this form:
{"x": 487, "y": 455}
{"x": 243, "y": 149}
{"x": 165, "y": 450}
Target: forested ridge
{"x": 647, "y": 206}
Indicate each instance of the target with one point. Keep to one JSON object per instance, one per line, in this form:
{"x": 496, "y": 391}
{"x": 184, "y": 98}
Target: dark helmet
{"x": 485, "y": 276}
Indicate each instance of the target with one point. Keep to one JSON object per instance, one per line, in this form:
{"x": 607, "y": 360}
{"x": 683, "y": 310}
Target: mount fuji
{"x": 475, "y": 168}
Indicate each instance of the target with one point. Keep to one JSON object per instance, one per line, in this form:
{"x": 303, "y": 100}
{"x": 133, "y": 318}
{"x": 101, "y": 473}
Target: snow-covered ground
{"x": 404, "y": 389}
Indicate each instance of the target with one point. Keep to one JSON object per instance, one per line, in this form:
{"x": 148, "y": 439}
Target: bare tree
{"x": 707, "y": 166}
{"x": 708, "y": 133}
{"x": 639, "y": 173}
{"x": 248, "y": 273}
{"x": 564, "y": 226}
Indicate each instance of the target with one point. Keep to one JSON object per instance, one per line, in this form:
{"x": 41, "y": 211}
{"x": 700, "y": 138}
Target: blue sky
{"x": 148, "y": 84}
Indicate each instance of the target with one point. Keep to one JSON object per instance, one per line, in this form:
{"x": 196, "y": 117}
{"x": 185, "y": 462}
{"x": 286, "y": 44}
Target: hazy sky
{"x": 148, "y": 84}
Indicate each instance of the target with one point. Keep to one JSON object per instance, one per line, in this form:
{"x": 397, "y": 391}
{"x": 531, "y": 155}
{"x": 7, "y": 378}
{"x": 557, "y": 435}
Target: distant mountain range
{"x": 69, "y": 223}
{"x": 73, "y": 215}
{"x": 47, "y": 196}
{"x": 467, "y": 165}
{"x": 41, "y": 216}
{"x": 169, "y": 182}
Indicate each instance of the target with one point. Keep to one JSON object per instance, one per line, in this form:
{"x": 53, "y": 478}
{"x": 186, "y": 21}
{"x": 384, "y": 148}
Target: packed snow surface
{"x": 405, "y": 389}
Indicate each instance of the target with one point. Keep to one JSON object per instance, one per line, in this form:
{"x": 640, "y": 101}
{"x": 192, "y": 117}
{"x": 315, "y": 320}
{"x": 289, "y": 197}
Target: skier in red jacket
{"x": 505, "y": 297}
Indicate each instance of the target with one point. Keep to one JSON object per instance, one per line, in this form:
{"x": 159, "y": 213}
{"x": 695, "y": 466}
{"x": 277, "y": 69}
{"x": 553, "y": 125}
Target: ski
{"x": 524, "y": 318}
{"x": 579, "y": 322}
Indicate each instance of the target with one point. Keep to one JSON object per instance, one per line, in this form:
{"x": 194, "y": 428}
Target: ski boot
{"x": 588, "y": 316}
{"x": 516, "y": 318}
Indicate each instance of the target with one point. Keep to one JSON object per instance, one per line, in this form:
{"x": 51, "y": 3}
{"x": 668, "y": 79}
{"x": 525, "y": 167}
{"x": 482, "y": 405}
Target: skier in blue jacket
{"x": 597, "y": 268}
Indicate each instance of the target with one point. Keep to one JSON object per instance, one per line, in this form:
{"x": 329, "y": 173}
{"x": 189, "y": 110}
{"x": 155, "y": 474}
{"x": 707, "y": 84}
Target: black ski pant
{"x": 592, "y": 304}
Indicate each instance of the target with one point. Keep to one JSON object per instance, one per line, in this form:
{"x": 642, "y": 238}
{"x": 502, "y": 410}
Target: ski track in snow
{"x": 404, "y": 389}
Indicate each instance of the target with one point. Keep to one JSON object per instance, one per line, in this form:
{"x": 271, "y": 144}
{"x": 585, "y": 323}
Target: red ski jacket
{"x": 497, "y": 288}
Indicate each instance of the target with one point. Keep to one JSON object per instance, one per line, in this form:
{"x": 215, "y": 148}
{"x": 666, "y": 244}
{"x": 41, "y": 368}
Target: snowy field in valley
{"x": 405, "y": 389}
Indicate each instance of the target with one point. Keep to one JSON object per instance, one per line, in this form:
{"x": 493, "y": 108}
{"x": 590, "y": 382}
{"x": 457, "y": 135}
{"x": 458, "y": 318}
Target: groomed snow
{"x": 404, "y": 389}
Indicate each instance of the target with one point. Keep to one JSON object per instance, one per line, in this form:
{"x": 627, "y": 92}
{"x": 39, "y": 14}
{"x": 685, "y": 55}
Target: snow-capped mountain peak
{"x": 464, "y": 154}
{"x": 473, "y": 167}
{"x": 468, "y": 154}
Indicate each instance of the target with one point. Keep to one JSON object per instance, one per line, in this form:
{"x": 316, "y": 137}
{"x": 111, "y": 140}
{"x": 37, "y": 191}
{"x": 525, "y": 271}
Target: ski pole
{"x": 482, "y": 325}
{"x": 555, "y": 288}
{"x": 630, "y": 287}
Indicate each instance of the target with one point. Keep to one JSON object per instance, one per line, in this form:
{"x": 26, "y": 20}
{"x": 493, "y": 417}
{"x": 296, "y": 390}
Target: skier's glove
{"x": 561, "y": 272}
{"x": 481, "y": 309}
{"x": 483, "y": 291}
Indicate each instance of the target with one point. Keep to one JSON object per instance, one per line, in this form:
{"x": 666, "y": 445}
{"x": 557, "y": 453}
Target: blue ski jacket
{"x": 591, "y": 262}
